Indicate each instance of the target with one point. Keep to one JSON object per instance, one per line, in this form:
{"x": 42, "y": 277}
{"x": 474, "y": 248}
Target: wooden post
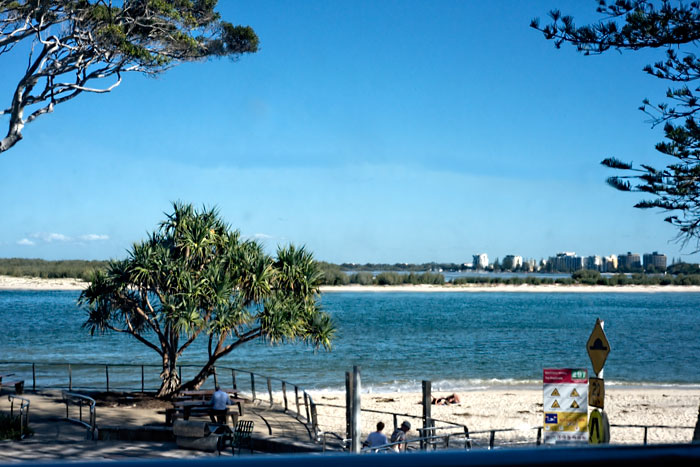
{"x": 284, "y": 395}
{"x": 306, "y": 404}
{"x": 314, "y": 421}
{"x": 233, "y": 379}
{"x": 356, "y": 410}
{"x": 33, "y": 377}
{"x": 269, "y": 390}
{"x": 348, "y": 405}
{"x": 427, "y": 420}
{"x": 216, "y": 382}
{"x": 296, "y": 397}
{"x": 252, "y": 385}
{"x": 70, "y": 378}
{"x": 142, "y": 380}
{"x": 107, "y": 376}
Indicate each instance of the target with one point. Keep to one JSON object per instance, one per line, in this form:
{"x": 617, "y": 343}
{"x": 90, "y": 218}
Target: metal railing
{"x": 647, "y": 427}
{"x": 23, "y": 412}
{"x": 424, "y": 443}
{"x": 73, "y": 399}
{"x": 135, "y": 377}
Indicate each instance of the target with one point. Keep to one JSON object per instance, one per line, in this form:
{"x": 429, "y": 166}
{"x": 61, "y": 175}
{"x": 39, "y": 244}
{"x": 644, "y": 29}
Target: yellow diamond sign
{"x": 598, "y": 347}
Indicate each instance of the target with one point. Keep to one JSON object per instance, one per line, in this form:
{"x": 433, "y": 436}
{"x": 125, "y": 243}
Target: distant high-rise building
{"x": 594, "y": 263}
{"x": 629, "y": 262}
{"x": 480, "y": 261}
{"x": 511, "y": 262}
{"x": 609, "y": 263}
{"x": 655, "y": 260}
{"x": 566, "y": 261}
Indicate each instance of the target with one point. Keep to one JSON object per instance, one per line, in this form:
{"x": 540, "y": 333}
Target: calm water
{"x": 457, "y": 340}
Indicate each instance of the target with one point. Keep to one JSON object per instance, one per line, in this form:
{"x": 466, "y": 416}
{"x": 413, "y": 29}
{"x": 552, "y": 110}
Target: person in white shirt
{"x": 377, "y": 438}
{"x": 219, "y": 401}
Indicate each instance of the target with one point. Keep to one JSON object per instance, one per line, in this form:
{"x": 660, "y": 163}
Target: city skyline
{"x": 392, "y": 132}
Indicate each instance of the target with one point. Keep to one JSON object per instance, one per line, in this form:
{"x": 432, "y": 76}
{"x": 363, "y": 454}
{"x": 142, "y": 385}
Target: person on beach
{"x": 377, "y": 438}
{"x": 399, "y": 435}
{"x": 219, "y": 401}
{"x": 451, "y": 399}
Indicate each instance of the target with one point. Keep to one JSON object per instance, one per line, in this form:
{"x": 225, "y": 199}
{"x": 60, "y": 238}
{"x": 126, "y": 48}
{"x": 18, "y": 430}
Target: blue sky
{"x": 389, "y": 131}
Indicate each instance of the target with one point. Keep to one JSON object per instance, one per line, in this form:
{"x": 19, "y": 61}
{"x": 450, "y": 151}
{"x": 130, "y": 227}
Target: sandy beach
{"x": 522, "y": 409}
{"x": 35, "y": 283}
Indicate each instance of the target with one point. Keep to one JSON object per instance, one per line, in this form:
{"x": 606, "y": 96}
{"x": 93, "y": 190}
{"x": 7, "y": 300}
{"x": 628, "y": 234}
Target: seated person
{"x": 376, "y": 438}
{"x": 219, "y": 401}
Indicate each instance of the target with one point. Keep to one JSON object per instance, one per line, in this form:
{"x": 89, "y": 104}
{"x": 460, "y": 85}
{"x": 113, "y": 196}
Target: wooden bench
{"x": 186, "y": 409}
{"x": 18, "y": 384}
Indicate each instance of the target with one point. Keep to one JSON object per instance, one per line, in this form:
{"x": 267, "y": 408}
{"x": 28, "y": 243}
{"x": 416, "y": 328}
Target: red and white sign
{"x": 565, "y": 403}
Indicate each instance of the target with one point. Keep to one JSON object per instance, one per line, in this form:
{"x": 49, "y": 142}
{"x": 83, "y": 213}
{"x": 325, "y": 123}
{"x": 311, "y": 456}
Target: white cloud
{"x": 25, "y": 241}
{"x": 262, "y": 236}
{"x": 93, "y": 237}
{"x": 51, "y": 237}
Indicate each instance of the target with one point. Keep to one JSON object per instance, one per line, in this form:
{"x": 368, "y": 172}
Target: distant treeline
{"x": 78, "y": 269}
{"x": 404, "y": 267}
{"x": 334, "y": 274}
{"x": 685, "y": 274}
{"x": 586, "y": 279}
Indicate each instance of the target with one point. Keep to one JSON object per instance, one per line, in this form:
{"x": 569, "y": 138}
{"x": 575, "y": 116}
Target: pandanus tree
{"x": 196, "y": 278}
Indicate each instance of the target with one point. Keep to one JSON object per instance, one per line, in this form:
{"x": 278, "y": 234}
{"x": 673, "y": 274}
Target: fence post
{"x": 646, "y": 428}
{"x": 356, "y": 410}
{"x": 306, "y": 404}
{"x": 252, "y": 385}
{"x": 314, "y": 421}
{"x": 348, "y": 405}
{"x": 296, "y": 397}
{"x": 70, "y": 378}
{"x": 396, "y": 422}
{"x": 33, "y": 378}
{"x": 179, "y": 373}
{"x": 269, "y": 390}
{"x": 539, "y": 435}
{"x": 233, "y": 379}
{"x": 142, "y": 382}
{"x": 107, "y": 376}
{"x": 492, "y": 439}
{"x": 216, "y": 382}
{"x": 284, "y": 395}
{"x": 427, "y": 420}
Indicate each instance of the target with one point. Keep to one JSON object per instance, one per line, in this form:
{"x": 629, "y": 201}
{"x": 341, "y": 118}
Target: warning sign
{"x": 565, "y": 417}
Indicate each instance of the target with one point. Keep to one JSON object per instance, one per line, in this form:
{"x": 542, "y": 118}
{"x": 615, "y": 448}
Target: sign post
{"x": 598, "y": 349}
{"x": 565, "y": 404}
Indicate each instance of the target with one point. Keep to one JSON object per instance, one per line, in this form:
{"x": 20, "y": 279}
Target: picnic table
{"x": 18, "y": 383}
{"x": 198, "y": 403}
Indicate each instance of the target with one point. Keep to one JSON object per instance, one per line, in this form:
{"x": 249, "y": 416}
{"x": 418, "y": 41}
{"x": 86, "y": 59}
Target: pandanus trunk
{"x": 201, "y": 377}
{"x": 170, "y": 379}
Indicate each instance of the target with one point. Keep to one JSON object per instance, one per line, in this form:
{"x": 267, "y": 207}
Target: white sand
{"x": 35, "y": 283}
{"x": 522, "y": 408}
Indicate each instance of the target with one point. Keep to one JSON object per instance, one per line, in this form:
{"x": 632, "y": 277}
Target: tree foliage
{"x": 673, "y": 27}
{"x": 196, "y": 277}
{"x": 76, "y": 46}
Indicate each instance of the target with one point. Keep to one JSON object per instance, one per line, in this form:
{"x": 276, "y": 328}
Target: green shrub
{"x": 11, "y": 427}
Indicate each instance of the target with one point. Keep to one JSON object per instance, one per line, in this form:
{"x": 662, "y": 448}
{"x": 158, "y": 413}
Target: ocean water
{"x": 460, "y": 341}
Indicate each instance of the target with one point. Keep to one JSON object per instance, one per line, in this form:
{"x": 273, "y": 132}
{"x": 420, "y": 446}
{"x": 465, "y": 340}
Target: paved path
{"x": 56, "y": 439}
